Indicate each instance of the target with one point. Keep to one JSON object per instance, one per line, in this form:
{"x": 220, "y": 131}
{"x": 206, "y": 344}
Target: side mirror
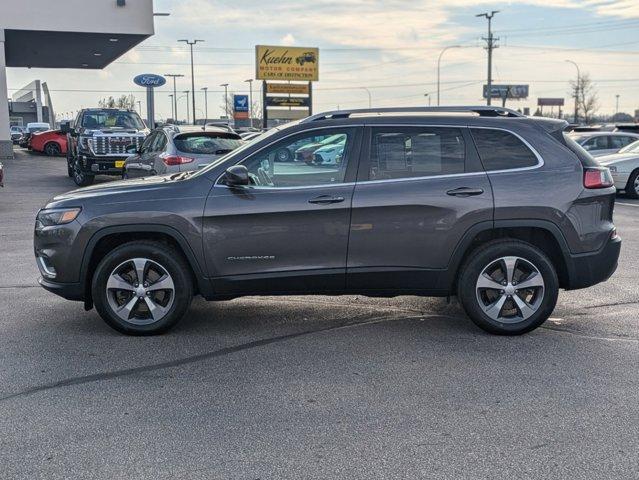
{"x": 65, "y": 127}
{"x": 131, "y": 149}
{"x": 237, "y": 175}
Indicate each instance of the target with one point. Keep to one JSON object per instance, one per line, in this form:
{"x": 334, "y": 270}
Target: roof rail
{"x": 482, "y": 111}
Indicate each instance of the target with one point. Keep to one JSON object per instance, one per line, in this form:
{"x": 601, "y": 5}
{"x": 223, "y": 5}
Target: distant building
{"x": 32, "y": 103}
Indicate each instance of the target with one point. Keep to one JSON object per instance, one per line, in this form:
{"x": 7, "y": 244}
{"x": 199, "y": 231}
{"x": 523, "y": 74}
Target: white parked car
{"x": 604, "y": 143}
{"x": 329, "y": 154}
{"x": 624, "y": 166}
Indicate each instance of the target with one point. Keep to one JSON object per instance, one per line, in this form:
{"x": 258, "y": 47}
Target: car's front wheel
{"x": 142, "y": 288}
{"x": 508, "y": 287}
{"x": 80, "y": 177}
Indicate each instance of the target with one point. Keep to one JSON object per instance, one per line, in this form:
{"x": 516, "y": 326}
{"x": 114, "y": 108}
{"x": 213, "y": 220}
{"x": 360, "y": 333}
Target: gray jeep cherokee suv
{"x": 500, "y": 209}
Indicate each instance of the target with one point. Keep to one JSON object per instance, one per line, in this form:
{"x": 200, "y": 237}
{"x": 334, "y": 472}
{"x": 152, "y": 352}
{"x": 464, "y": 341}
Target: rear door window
{"x": 619, "y": 141}
{"x": 407, "y": 152}
{"x": 501, "y": 150}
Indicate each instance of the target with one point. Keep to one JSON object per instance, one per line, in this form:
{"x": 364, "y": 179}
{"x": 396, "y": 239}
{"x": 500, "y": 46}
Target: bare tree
{"x": 588, "y": 101}
{"x": 123, "y": 102}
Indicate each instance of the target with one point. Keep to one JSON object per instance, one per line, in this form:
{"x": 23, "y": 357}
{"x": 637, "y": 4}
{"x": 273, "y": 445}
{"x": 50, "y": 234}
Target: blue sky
{"x": 389, "y": 47}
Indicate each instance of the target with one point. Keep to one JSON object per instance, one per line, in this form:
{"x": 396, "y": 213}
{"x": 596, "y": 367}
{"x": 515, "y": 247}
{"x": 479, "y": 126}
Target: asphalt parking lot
{"x": 321, "y": 387}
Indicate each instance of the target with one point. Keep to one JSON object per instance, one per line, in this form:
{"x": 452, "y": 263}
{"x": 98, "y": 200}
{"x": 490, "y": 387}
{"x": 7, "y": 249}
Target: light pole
{"x": 190, "y": 43}
{"x": 140, "y": 106}
{"x": 172, "y": 112}
{"x": 188, "y": 120}
{"x": 226, "y": 99}
{"x": 250, "y": 82}
{"x": 490, "y": 46}
{"x": 175, "y": 99}
{"x": 577, "y": 88}
{"x": 206, "y": 104}
{"x": 370, "y": 98}
{"x": 439, "y": 61}
{"x": 428, "y": 96}
{"x": 617, "y": 104}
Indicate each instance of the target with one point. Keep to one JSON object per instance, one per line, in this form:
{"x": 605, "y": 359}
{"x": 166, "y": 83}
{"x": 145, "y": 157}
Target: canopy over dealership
{"x": 74, "y": 34}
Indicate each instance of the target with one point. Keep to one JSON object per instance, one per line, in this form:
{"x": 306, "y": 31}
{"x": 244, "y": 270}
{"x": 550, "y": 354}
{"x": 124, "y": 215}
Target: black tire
{"x": 52, "y": 149}
{"x": 80, "y": 177}
{"x": 158, "y": 254}
{"x": 632, "y": 189}
{"x": 487, "y": 255}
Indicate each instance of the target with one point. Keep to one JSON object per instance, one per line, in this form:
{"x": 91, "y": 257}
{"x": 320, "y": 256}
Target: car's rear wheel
{"x": 52, "y": 149}
{"x": 508, "y": 287}
{"x": 283, "y": 155}
{"x": 142, "y": 288}
{"x": 632, "y": 188}
{"x": 81, "y": 178}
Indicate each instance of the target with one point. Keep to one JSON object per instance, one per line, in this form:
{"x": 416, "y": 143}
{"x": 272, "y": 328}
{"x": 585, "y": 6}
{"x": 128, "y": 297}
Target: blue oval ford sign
{"x": 149, "y": 80}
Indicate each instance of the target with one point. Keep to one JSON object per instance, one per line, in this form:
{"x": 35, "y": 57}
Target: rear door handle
{"x": 465, "y": 192}
{"x": 326, "y": 200}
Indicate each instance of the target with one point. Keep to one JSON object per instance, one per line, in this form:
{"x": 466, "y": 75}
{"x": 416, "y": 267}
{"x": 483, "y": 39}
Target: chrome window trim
{"x": 540, "y": 160}
{"x": 279, "y": 189}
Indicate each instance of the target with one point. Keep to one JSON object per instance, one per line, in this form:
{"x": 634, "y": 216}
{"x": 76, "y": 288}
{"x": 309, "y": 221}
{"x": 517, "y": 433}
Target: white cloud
{"x": 288, "y": 39}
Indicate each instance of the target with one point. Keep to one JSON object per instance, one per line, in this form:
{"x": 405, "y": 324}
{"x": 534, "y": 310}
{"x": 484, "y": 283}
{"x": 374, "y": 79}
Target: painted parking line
{"x": 627, "y": 204}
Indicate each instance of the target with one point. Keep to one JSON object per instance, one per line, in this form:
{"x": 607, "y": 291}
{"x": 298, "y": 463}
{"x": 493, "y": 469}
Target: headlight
{"x": 83, "y": 142}
{"x": 57, "y": 216}
{"x": 612, "y": 169}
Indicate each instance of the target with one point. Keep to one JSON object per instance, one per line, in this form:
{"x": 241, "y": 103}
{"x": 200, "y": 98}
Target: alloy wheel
{"x": 510, "y": 289}
{"x": 140, "y": 291}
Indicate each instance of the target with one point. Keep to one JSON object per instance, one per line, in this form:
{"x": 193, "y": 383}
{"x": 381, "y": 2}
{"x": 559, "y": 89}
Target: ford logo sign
{"x": 149, "y": 80}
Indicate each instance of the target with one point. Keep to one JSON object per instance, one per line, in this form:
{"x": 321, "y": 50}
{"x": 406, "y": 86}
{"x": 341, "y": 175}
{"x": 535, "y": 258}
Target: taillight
{"x": 598, "y": 178}
{"x": 176, "y": 160}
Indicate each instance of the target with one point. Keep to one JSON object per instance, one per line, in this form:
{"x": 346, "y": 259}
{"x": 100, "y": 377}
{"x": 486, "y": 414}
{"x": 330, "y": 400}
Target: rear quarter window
{"x": 501, "y": 150}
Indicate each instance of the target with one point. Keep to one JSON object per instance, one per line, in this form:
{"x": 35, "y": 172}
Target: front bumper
{"x": 102, "y": 165}
{"x": 70, "y": 291}
{"x": 587, "y": 269}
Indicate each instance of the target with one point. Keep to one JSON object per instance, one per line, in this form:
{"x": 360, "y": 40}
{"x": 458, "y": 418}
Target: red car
{"x": 51, "y": 142}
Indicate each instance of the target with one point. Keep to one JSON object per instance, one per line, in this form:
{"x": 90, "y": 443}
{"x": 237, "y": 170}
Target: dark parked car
{"x": 172, "y": 149}
{"x": 480, "y": 202}
{"x": 97, "y": 142}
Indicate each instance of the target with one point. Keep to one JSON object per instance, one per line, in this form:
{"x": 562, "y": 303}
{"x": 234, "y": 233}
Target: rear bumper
{"x": 70, "y": 291}
{"x": 589, "y": 269}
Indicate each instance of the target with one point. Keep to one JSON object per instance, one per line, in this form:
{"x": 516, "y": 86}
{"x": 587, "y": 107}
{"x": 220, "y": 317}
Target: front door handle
{"x": 465, "y": 192}
{"x": 326, "y": 200}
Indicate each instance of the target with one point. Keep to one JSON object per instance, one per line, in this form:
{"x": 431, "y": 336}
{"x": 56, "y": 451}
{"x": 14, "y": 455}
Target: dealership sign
{"x": 288, "y": 101}
{"x": 240, "y": 107}
{"x": 286, "y": 63}
{"x": 287, "y": 88}
{"x": 550, "y": 102}
{"x": 149, "y": 80}
{"x": 506, "y": 91}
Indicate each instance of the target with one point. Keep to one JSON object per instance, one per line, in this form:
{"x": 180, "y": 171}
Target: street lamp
{"x": 188, "y": 120}
{"x": 428, "y": 96}
{"x": 206, "y": 104}
{"x": 577, "y": 88}
{"x": 172, "y": 112}
{"x": 250, "y": 82}
{"x": 175, "y": 99}
{"x": 226, "y": 99}
{"x": 190, "y": 43}
{"x": 370, "y": 99}
{"x": 617, "y": 104}
{"x": 439, "y": 61}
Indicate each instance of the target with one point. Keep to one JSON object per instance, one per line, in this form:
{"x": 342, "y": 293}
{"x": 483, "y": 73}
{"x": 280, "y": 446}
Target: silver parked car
{"x": 624, "y": 166}
{"x": 604, "y": 143}
{"x": 173, "y": 148}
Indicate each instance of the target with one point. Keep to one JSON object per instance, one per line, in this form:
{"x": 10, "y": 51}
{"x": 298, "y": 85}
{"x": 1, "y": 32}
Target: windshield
{"x": 632, "y": 148}
{"x": 112, "y": 119}
{"x": 202, "y": 143}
